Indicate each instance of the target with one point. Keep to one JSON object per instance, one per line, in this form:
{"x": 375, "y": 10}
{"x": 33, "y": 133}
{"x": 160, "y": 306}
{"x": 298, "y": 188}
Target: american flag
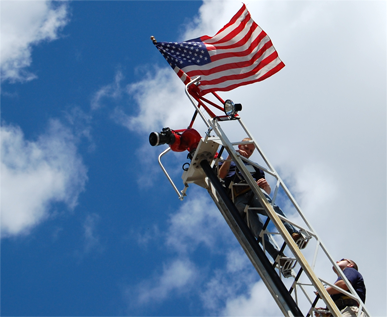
{"x": 241, "y": 53}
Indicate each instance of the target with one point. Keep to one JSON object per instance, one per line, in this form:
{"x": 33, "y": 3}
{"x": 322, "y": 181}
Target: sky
{"x": 90, "y": 225}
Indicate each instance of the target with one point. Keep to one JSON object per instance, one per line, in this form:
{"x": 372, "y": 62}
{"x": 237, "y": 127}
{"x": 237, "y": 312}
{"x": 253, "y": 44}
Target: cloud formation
{"x": 161, "y": 104}
{"x": 178, "y": 275}
{"x": 232, "y": 281}
{"x": 257, "y": 301}
{"x": 90, "y": 235}
{"x": 197, "y": 222}
{"x": 37, "y": 174}
{"x": 111, "y": 91}
{"x": 25, "y": 24}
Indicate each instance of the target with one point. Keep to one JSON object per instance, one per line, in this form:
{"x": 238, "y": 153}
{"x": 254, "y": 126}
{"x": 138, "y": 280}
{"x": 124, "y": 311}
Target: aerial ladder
{"x": 298, "y": 285}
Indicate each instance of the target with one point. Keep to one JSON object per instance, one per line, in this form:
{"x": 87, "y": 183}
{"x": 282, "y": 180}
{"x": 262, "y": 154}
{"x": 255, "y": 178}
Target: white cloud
{"x": 197, "y": 222}
{"x": 145, "y": 236}
{"x": 23, "y": 25}
{"x": 227, "y": 282}
{"x": 161, "y": 103}
{"x": 91, "y": 238}
{"x": 256, "y": 302}
{"x": 35, "y": 174}
{"x": 112, "y": 91}
{"x": 321, "y": 120}
{"x": 178, "y": 275}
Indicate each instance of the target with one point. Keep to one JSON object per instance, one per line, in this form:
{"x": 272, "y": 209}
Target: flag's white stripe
{"x": 237, "y": 37}
{"x": 183, "y": 75}
{"x": 237, "y": 71}
{"x": 229, "y": 60}
{"x": 226, "y": 76}
{"x": 242, "y": 48}
{"x": 228, "y": 83}
{"x": 229, "y": 29}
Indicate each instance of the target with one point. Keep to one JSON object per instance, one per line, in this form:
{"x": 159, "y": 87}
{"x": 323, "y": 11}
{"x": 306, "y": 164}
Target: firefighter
{"x": 244, "y": 196}
{"x": 347, "y": 306}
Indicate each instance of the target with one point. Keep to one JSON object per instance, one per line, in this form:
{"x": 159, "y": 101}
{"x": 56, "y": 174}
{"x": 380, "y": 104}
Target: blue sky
{"x": 90, "y": 225}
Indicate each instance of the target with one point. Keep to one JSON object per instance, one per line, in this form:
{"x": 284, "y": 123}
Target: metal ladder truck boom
{"x": 296, "y": 286}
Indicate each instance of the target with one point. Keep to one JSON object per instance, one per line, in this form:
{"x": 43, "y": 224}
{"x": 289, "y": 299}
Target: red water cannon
{"x": 178, "y": 140}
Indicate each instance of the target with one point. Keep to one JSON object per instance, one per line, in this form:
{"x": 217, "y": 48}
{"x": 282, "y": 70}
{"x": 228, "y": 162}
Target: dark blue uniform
{"x": 356, "y": 279}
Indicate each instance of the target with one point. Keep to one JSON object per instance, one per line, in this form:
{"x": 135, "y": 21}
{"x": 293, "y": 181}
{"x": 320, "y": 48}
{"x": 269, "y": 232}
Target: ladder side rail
{"x": 339, "y": 289}
{"x": 314, "y": 261}
{"x": 294, "y": 284}
{"x": 210, "y": 124}
{"x": 278, "y": 183}
{"x": 292, "y": 199}
{"x": 340, "y": 273}
{"x": 297, "y": 225}
{"x": 352, "y": 294}
{"x": 274, "y": 218}
{"x": 313, "y": 306}
{"x": 301, "y": 286}
{"x": 275, "y": 191}
{"x": 251, "y": 247}
{"x": 347, "y": 282}
{"x": 271, "y": 172}
{"x": 277, "y": 176}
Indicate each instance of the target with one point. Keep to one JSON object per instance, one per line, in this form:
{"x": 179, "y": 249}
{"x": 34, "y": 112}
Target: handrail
{"x": 166, "y": 173}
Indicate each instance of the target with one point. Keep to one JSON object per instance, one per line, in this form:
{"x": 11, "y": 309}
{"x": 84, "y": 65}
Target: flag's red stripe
{"x": 232, "y": 21}
{"x": 241, "y": 76}
{"x": 239, "y": 43}
{"x": 231, "y": 66}
{"x": 272, "y": 71}
{"x": 182, "y": 75}
{"x": 241, "y": 53}
{"x": 246, "y": 52}
{"x": 229, "y": 36}
{"x": 243, "y": 83}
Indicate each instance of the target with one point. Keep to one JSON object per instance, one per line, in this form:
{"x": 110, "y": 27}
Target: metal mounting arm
{"x": 181, "y": 197}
